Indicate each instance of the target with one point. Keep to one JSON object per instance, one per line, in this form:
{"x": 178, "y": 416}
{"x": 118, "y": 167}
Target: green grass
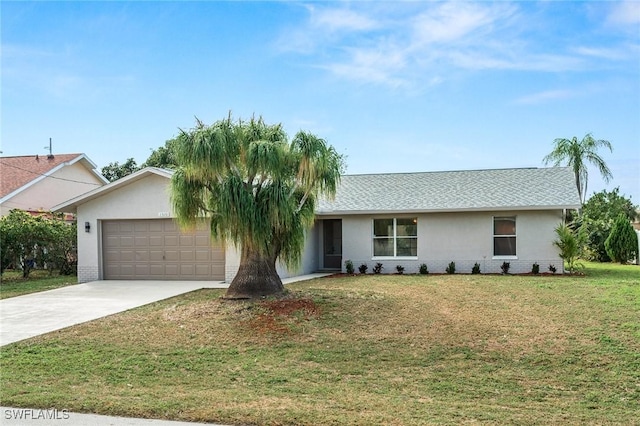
{"x": 12, "y": 283}
{"x": 388, "y": 349}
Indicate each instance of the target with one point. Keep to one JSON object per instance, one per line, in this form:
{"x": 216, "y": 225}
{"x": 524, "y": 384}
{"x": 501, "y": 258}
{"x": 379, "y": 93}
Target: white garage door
{"x": 156, "y": 249}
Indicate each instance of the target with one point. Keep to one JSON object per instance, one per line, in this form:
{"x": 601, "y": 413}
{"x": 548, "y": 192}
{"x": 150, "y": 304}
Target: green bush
{"x": 348, "y": 264}
{"x": 622, "y": 243}
{"x": 423, "y": 269}
{"x": 36, "y": 241}
{"x": 451, "y": 269}
{"x": 476, "y": 268}
{"x": 535, "y": 269}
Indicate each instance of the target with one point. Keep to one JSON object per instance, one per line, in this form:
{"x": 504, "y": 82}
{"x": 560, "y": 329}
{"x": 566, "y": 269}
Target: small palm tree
{"x": 568, "y": 245}
{"x": 577, "y": 154}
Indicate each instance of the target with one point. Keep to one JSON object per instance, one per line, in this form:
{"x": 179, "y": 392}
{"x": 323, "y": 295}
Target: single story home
{"x": 126, "y": 230}
{"x": 36, "y": 183}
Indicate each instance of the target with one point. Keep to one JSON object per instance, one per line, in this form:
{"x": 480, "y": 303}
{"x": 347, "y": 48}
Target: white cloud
{"x": 625, "y": 13}
{"x": 450, "y": 22}
{"x": 404, "y": 44}
{"x": 341, "y": 20}
{"x": 543, "y": 97}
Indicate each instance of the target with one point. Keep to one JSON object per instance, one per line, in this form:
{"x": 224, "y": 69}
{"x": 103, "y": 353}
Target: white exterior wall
{"x": 51, "y": 191}
{"x": 465, "y": 238}
{"x": 308, "y": 264}
{"x": 147, "y": 198}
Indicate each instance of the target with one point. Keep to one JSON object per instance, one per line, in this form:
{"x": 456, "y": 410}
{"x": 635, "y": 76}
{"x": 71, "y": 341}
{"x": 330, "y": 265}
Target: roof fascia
{"x": 460, "y": 210}
{"x": 89, "y": 165}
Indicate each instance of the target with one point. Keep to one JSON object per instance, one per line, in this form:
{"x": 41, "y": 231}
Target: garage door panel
{"x": 141, "y": 241}
{"x": 156, "y": 240}
{"x": 142, "y": 256}
{"x": 202, "y": 255}
{"x": 187, "y": 270}
{"x": 141, "y": 269}
{"x": 156, "y": 270}
{"x": 156, "y": 255}
{"x": 156, "y": 249}
{"x": 127, "y": 256}
{"x": 171, "y": 241}
{"x": 126, "y": 241}
{"x": 187, "y": 255}
{"x": 171, "y": 255}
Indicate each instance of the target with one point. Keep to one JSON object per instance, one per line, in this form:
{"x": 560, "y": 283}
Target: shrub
{"x": 568, "y": 245}
{"x": 535, "y": 269}
{"x": 476, "y": 268}
{"x": 363, "y": 268}
{"x": 622, "y": 242}
{"x": 451, "y": 269}
{"x": 28, "y": 241}
{"x": 400, "y": 269}
{"x": 349, "y": 266}
{"x": 423, "y": 269}
{"x": 505, "y": 267}
{"x": 552, "y": 269}
{"x": 378, "y": 268}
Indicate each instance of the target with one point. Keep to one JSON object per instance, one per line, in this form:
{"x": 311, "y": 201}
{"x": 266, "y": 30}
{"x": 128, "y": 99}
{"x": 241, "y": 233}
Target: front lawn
{"x": 12, "y": 284}
{"x": 387, "y": 349}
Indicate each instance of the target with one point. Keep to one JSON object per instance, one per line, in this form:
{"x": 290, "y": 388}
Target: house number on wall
{"x": 164, "y": 214}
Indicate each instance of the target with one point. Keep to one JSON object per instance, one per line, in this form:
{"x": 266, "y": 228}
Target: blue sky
{"x": 395, "y": 86}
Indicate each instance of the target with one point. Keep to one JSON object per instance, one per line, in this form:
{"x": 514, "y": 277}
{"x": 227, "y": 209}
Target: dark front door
{"x": 332, "y": 243}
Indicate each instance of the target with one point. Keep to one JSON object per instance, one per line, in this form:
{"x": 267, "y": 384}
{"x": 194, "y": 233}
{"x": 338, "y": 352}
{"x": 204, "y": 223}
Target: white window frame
{"x": 494, "y": 236}
{"x": 395, "y": 239}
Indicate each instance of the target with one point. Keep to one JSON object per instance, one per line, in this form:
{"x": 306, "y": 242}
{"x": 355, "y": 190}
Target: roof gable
{"x": 19, "y": 173}
{"x": 72, "y": 204}
{"x": 498, "y": 189}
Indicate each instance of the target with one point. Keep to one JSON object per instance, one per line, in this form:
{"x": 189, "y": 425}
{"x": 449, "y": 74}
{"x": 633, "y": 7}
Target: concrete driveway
{"x": 38, "y": 313}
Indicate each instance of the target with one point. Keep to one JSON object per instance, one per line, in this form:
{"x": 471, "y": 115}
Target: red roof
{"x": 16, "y": 172}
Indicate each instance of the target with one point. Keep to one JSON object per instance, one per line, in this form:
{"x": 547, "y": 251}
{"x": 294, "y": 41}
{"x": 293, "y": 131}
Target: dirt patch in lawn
{"x": 278, "y": 316}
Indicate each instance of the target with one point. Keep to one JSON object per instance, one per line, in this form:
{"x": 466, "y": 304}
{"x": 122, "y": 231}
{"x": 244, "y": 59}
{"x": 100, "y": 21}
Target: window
{"x": 395, "y": 237}
{"x": 504, "y": 236}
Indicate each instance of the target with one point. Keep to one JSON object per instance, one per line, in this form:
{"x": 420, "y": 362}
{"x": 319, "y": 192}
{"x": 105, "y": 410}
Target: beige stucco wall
{"x": 465, "y": 238}
{"x": 51, "y": 191}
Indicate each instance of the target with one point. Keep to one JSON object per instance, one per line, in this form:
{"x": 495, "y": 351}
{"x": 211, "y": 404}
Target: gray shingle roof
{"x": 500, "y": 189}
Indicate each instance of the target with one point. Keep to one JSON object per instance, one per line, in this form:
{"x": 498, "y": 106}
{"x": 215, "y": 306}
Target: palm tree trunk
{"x": 256, "y": 277}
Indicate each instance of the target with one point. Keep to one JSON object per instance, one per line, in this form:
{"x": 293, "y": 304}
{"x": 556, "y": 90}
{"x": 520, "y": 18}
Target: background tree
{"x": 622, "y": 242}
{"x": 257, "y": 189}
{"x": 163, "y": 157}
{"x": 598, "y": 216}
{"x": 577, "y": 154}
{"x": 115, "y": 171}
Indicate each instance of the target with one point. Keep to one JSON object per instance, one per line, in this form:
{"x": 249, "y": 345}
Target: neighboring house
{"x": 126, "y": 229}
{"x": 36, "y": 183}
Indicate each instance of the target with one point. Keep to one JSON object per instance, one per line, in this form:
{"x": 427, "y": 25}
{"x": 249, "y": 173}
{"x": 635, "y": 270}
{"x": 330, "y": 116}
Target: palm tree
{"x": 577, "y": 154}
{"x": 257, "y": 190}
